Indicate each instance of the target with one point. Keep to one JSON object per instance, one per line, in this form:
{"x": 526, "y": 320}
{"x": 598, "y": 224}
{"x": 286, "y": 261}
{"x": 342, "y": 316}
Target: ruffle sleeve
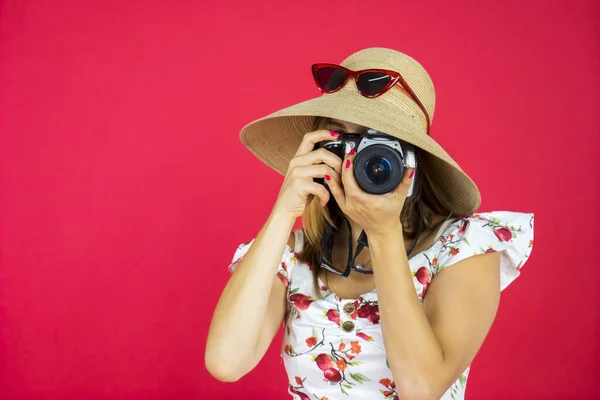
{"x": 286, "y": 265}
{"x": 506, "y": 231}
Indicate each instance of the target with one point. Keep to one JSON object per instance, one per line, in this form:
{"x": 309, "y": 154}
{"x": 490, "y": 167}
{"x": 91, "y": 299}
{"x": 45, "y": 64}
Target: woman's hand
{"x": 376, "y": 214}
{"x": 306, "y": 165}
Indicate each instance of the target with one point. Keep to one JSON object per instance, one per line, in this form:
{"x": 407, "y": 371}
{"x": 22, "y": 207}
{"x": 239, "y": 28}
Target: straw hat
{"x": 274, "y": 139}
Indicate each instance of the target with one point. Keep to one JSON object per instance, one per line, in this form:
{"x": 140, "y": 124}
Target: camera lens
{"x": 378, "y": 170}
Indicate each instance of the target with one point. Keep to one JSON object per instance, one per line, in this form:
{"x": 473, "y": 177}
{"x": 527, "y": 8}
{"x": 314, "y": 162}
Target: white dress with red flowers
{"x": 333, "y": 347}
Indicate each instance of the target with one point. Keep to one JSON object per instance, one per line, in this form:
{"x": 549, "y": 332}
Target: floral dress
{"x": 333, "y": 347}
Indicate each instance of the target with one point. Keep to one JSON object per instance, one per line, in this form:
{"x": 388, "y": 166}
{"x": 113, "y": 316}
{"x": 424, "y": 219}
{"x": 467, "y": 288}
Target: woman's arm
{"x": 428, "y": 347}
{"x": 252, "y": 305}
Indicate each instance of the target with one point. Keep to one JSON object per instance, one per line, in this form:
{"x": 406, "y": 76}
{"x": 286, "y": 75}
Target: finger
{"x": 313, "y": 171}
{"x": 406, "y": 181}
{"x": 348, "y": 178}
{"x": 307, "y": 188}
{"x": 312, "y": 138}
{"x": 318, "y": 157}
{"x": 335, "y": 187}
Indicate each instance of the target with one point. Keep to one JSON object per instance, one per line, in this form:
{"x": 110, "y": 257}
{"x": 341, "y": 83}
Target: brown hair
{"x": 427, "y": 202}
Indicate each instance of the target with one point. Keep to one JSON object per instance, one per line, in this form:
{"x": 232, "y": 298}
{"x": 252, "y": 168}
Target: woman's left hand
{"x": 376, "y": 214}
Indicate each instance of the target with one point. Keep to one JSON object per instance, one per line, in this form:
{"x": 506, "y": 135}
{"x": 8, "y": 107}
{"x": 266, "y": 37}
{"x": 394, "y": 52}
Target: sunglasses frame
{"x": 396, "y": 77}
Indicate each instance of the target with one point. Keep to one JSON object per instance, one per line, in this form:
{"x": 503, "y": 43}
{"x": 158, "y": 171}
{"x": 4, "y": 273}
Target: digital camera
{"x": 380, "y": 159}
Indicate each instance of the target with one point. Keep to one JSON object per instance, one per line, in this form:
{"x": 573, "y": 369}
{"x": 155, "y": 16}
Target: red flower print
{"x": 311, "y": 341}
{"x": 503, "y": 234}
{"x": 425, "y": 286}
{"x": 302, "y": 395}
{"x": 364, "y": 336}
{"x": 454, "y": 251}
{"x": 324, "y": 362}
{"x": 518, "y": 267}
{"x": 355, "y": 312}
{"x": 423, "y": 276}
{"x": 342, "y": 345}
{"x": 369, "y": 311}
{"x": 332, "y": 375}
{"x": 363, "y": 311}
{"x": 283, "y": 278}
{"x": 385, "y": 382}
{"x": 341, "y": 364}
{"x": 300, "y": 301}
{"x": 462, "y": 229}
{"x": 333, "y": 316}
{"x": 374, "y": 314}
{"x": 490, "y": 250}
{"x": 451, "y": 236}
{"x": 355, "y": 347}
{"x": 324, "y": 288}
{"x": 442, "y": 239}
{"x": 298, "y": 380}
{"x": 434, "y": 262}
{"x": 283, "y": 266}
{"x": 288, "y": 350}
{"x": 388, "y": 393}
{"x": 350, "y": 357}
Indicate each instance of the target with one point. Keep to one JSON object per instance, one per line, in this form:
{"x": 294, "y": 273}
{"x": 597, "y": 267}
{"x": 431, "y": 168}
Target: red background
{"x": 124, "y": 189}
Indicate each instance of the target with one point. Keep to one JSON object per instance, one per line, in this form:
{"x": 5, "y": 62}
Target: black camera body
{"x": 380, "y": 159}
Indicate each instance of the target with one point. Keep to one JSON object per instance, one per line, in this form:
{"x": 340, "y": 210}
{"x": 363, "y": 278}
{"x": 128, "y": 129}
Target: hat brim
{"x": 274, "y": 139}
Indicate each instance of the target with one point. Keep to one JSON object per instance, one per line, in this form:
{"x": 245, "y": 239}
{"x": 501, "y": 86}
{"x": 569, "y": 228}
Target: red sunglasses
{"x": 370, "y": 82}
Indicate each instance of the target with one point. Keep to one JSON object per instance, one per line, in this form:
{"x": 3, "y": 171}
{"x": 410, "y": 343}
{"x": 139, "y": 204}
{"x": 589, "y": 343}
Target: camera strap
{"x": 337, "y": 217}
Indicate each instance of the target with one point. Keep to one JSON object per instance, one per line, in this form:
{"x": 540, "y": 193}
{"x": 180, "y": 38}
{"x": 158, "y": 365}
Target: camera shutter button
{"x": 349, "y": 146}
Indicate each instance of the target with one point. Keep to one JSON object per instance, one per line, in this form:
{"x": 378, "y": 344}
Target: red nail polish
{"x": 347, "y": 163}
{"x": 412, "y": 173}
{"x": 334, "y": 134}
{"x": 352, "y": 152}
{"x": 327, "y": 177}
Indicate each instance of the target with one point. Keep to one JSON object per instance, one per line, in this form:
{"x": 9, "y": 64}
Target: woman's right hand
{"x": 306, "y": 165}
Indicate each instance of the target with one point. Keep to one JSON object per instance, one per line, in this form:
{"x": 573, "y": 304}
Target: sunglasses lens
{"x": 372, "y": 83}
{"x": 331, "y": 78}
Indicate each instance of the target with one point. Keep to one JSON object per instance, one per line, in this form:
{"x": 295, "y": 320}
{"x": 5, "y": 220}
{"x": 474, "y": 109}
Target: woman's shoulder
{"x": 506, "y": 231}
{"x": 493, "y": 220}
{"x": 489, "y": 230}
{"x": 290, "y": 253}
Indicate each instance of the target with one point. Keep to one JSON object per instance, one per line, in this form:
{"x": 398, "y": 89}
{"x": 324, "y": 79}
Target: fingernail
{"x": 352, "y": 152}
{"x": 347, "y": 163}
{"x": 412, "y": 173}
{"x": 327, "y": 177}
{"x": 334, "y": 134}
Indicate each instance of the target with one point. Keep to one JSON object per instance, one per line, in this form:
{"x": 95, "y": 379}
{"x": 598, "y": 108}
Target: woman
{"x": 391, "y": 321}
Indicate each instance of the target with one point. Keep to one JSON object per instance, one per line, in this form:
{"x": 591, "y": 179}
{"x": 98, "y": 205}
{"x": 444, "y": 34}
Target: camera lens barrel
{"x": 378, "y": 169}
